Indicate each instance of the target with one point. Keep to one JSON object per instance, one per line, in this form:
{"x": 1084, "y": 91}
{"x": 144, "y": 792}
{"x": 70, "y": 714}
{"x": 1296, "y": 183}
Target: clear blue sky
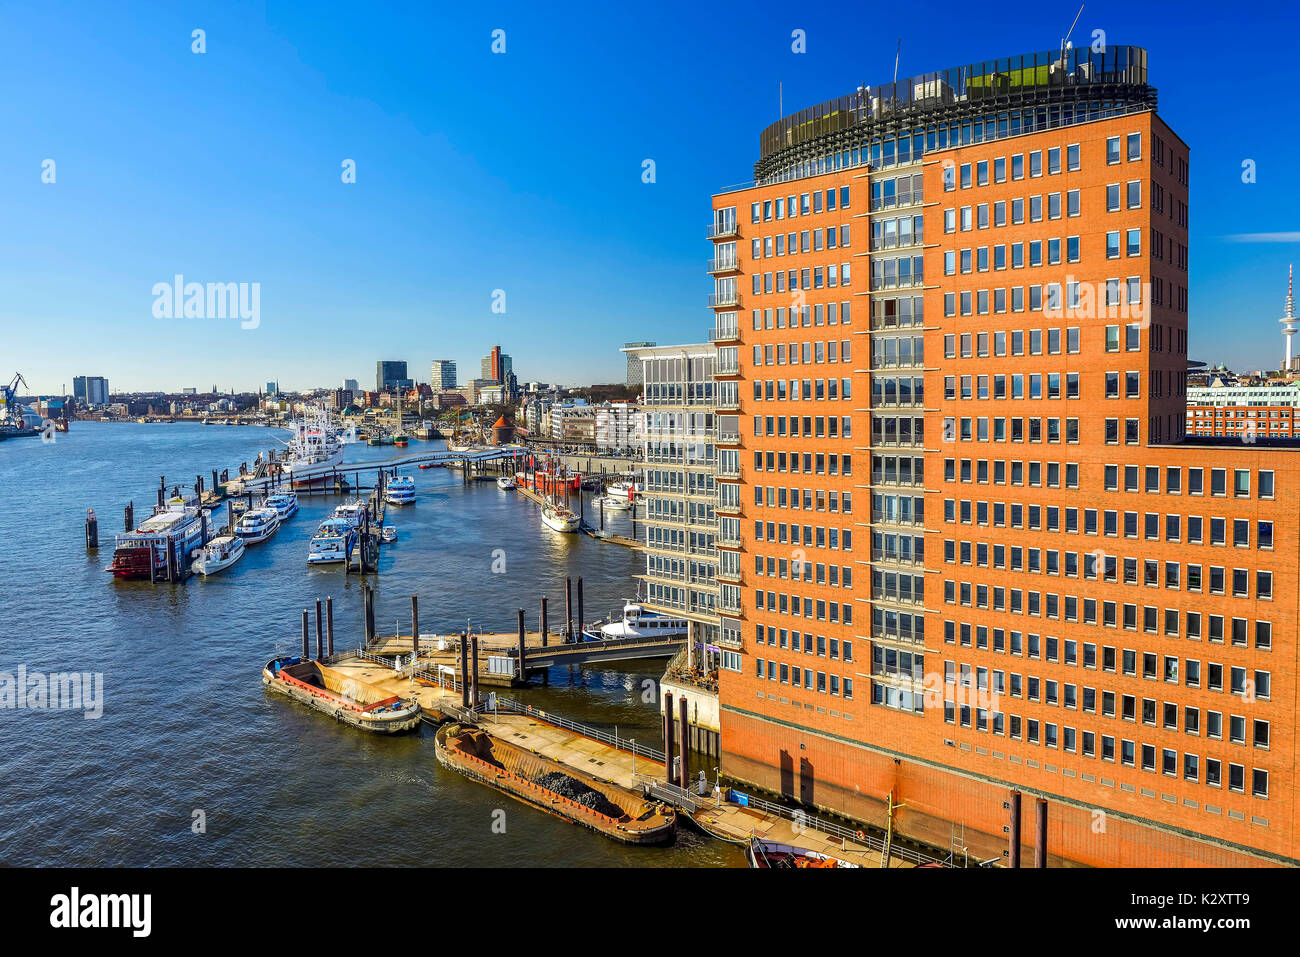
{"x": 519, "y": 172}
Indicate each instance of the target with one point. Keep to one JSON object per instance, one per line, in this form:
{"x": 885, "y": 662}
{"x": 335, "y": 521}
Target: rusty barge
{"x": 622, "y": 815}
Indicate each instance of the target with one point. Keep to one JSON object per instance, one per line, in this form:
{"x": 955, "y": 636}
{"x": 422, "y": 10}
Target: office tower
{"x": 976, "y": 553}
{"x": 390, "y": 375}
{"x": 90, "y": 390}
{"x": 350, "y": 385}
{"x": 443, "y": 374}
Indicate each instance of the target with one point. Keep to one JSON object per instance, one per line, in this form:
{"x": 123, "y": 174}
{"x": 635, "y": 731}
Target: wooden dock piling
{"x": 92, "y": 531}
{"x": 580, "y": 618}
{"x": 683, "y": 744}
{"x": 668, "y": 737}
{"x": 306, "y": 647}
{"x": 543, "y": 622}
{"x": 329, "y": 625}
{"x": 415, "y": 625}
{"x": 128, "y": 516}
{"x": 320, "y": 632}
{"x": 568, "y": 609}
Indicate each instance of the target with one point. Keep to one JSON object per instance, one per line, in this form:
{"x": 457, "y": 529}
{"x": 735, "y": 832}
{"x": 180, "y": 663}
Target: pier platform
{"x": 737, "y": 824}
{"x": 443, "y": 651}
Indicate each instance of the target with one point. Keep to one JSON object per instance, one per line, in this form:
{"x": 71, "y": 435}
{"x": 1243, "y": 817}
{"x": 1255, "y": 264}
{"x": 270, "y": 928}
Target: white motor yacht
{"x": 218, "y": 555}
{"x": 257, "y": 525}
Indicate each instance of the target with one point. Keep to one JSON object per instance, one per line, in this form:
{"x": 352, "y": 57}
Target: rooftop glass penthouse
{"x": 899, "y": 122}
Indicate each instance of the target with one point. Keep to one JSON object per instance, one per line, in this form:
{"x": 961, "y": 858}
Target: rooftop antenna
{"x": 780, "y": 100}
{"x": 897, "y": 54}
{"x": 1065, "y": 43}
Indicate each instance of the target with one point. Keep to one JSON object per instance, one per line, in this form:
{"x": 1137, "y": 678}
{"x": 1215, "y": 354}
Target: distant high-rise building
{"x": 635, "y": 375}
{"x": 443, "y": 374}
{"x": 496, "y": 365}
{"x": 272, "y": 388}
{"x": 390, "y": 374}
{"x": 90, "y": 389}
{"x": 351, "y": 385}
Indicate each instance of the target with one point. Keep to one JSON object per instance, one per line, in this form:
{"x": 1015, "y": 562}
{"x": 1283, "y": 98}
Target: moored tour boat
{"x": 284, "y": 503}
{"x": 257, "y": 525}
{"x": 389, "y": 534}
{"x": 218, "y": 555}
{"x": 314, "y": 451}
{"x": 637, "y": 623}
{"x": 143, "y": 553}
{"x": 354, "y": 512}
{"x": 353, "y": 702}
{"x": 559, "y": 518}
{"x": 506, "y": 483}
{"x": 400, "y": 490}
{"x": 330, "y": 543}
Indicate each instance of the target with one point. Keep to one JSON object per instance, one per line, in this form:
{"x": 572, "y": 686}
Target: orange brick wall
{"x": 847, "y": 754}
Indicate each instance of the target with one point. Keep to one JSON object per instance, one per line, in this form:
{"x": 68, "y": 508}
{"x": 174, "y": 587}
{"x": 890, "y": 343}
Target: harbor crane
{"x": 11, "y": 393}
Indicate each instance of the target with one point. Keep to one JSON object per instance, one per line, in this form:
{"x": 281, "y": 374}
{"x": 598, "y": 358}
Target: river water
{"x": 186, "y": 725}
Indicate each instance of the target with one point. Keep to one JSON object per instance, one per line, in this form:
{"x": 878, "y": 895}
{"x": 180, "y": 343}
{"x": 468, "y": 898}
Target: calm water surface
{"x": 186, "y": 723}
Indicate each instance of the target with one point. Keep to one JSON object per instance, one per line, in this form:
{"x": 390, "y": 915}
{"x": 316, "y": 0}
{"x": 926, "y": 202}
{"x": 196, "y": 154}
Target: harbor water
{"x": 191, "y": 761}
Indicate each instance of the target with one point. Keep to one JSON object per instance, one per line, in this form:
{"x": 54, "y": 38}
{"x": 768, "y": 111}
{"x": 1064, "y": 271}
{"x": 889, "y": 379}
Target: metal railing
{"x": 612, "y": 738}
{"x": 817, "y": 822}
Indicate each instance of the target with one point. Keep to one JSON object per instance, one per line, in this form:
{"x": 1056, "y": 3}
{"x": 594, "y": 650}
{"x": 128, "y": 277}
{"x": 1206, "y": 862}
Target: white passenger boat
{"x": 619, "y": 503}
{"x": 625, "y": 488}
{"x": 636, "y": 623}
{"x": 284, "y": 503}
{"x": 257, "y": 525}
{"x": 400, "y": 491}
{"x": 354, "y": 512}
{"x": 559, "y": 518}
{"x": 315, "y": 449}
{"x": 389, "y": 534}
{"x": 330, "y": 543}
{"x": 218, "y": 555}
{"x": 506, "y": 483}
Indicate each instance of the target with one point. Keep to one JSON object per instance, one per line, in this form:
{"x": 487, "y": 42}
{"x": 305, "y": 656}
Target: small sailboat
{"x": 218, "y": 555}
{"x": 559, "y": 518}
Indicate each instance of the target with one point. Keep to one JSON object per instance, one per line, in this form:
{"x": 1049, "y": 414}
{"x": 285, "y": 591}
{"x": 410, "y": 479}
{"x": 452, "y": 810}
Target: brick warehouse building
{"x": 975, "y": 552}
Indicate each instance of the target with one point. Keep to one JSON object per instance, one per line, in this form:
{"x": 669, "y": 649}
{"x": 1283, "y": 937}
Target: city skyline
{"x": 416, "y": 249}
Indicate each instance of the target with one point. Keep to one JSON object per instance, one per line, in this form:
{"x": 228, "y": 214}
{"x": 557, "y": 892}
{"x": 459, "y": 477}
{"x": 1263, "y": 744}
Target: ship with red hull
{"x": 160, "y": 548}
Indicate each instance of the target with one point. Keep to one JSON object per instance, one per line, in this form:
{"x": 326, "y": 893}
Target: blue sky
{"x": 519, "y": 172}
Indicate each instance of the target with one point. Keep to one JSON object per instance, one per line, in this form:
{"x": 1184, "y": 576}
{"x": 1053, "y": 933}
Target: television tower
{"x": 1288, "y": 318}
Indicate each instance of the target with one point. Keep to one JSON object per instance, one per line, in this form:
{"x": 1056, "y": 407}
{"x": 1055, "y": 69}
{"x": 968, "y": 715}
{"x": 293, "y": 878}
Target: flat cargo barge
{"x": 350, "y": 701}
{"x": 620, "y": 814}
